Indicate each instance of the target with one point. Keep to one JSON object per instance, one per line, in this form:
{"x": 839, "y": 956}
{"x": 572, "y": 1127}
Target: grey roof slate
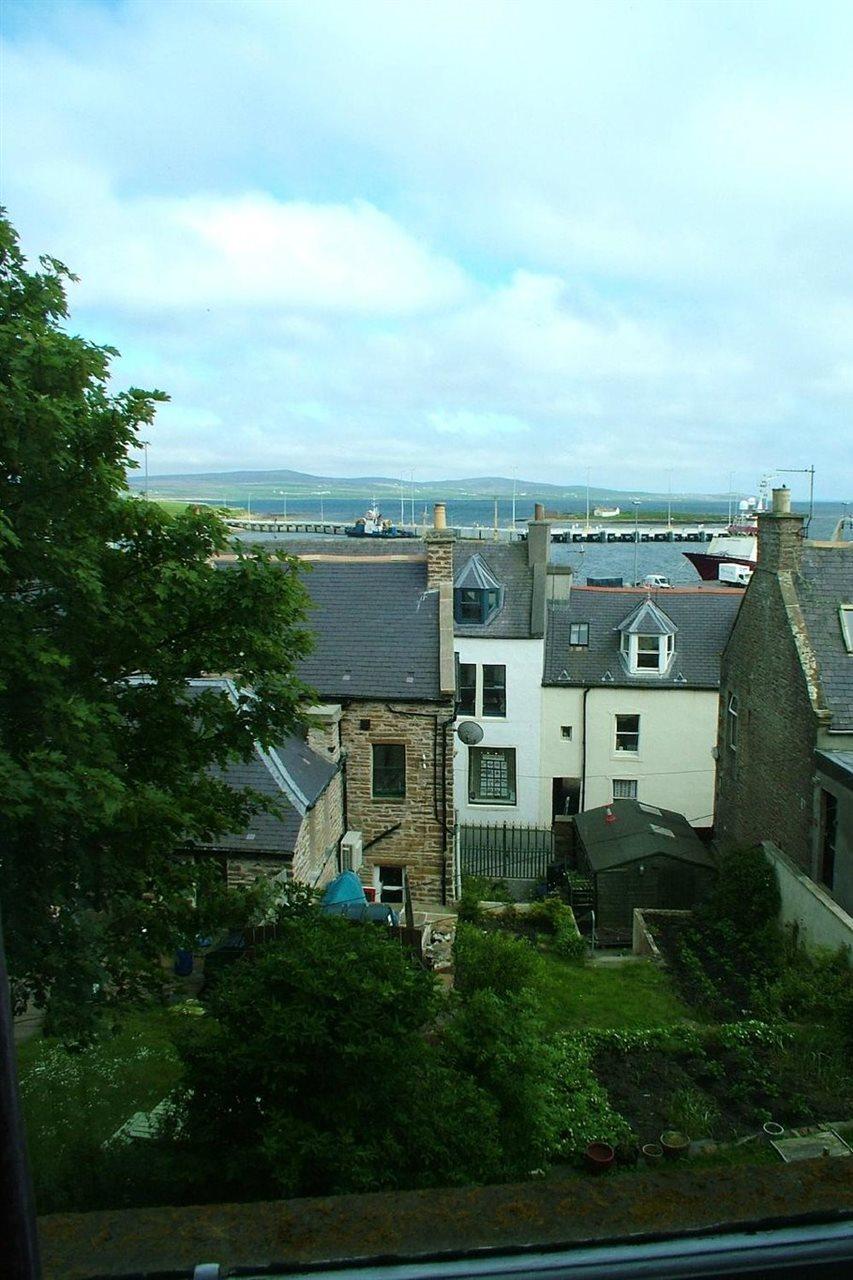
{"x": 507, "y": 562}
{"x": 291, "y": 775}
{"x": 647, "y": 620}
{"x": 825, "y": 581}
{"x": 475, "y": 573}
{"x": 704, "y": 620}
{"x": 376, "y": 629}
{"x": 627, "y": 831}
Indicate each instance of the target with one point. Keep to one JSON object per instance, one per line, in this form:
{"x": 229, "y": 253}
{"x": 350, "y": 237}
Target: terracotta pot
{"x": 653, "y": 1151}
{"x": 599, "y": 1155}
{"x": 674, "y": 1144}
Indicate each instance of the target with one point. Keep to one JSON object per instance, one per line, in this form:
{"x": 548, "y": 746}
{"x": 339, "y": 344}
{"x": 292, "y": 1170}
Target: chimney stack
{"x": 780, "y": 535}
{"x": 439, "y": 548}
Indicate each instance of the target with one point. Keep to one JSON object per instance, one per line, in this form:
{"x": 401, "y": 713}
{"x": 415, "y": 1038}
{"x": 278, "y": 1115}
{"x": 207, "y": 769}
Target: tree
{"x": 318, "y": 1071}
{"x": 107, "y": 606}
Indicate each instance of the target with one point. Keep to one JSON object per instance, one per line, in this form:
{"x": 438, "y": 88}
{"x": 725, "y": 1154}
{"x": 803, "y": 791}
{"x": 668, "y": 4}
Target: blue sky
{"x": 454, "y": 238}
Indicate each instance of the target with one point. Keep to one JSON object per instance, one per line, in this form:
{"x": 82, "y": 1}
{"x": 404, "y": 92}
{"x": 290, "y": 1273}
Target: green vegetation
{"x": 74, "y": 1101}
{"x": 104, "y": 774}
{"x": 629, "y": 996}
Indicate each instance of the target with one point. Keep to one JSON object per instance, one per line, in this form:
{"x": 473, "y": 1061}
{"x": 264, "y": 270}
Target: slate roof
{"x": 375, "y": 626}
{"x": 475, "y": 573}
{"x": 507, "y": 562}
{"x": 824, "y": 581}
{"x": 838, "y": 764}
{"x": 637, "y": 831}
{"x": 292, "y": 775}
{"x": 647, "y": 620}
{"x": 704, "y": 620}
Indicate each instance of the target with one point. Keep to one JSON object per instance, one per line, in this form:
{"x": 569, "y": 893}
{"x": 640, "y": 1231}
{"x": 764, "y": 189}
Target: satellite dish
{"x": 470, "y": 733}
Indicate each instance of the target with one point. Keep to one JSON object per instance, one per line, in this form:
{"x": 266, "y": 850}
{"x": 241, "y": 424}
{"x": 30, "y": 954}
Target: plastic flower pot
{"x": 674, "y": 1144}
{"x": 653, "y": 1151}
{"x": 599, "y": 1156}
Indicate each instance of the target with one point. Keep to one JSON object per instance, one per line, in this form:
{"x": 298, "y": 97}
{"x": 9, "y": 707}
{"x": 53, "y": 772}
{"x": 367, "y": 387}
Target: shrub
{"x": 746, "y": 891}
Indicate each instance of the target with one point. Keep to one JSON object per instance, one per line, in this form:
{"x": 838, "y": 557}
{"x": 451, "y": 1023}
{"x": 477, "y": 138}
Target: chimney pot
{"x": 782, "y": 501}
{"x": 539, "y": 511}
{"x": 440, "y": 516}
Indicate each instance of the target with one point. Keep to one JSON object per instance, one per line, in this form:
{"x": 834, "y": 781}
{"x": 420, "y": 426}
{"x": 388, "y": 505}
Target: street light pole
{"x": 636, "y": 535}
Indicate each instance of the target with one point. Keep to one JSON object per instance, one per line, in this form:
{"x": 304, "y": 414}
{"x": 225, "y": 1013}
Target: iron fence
{"x": 505, "y": 851}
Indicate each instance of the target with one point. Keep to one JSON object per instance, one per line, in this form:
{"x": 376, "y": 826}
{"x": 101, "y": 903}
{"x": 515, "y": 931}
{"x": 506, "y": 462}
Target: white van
{"x": 655, "y": 582}
{"x": 734, "y": 575}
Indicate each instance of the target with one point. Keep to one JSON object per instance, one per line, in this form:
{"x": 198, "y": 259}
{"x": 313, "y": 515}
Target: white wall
{"x": 822, "y": 922}
{"x": 520, "y": 728}
{"x": 674, "y": 766}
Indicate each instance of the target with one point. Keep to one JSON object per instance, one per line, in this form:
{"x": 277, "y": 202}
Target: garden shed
{"x": 640, "y": 856}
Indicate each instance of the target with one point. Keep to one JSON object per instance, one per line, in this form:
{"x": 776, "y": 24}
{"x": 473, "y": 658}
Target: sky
{"x": 453, "y": 239}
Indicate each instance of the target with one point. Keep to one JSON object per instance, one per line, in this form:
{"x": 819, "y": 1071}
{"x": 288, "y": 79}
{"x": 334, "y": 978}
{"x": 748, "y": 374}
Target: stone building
{"x": 785, "y": 734}
{"x": 383, "y": 622}
{"x": 298, "y": 836}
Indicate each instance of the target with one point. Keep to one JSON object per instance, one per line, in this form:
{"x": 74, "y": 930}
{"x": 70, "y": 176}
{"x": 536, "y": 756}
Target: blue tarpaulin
{"x": 346, "y": 888}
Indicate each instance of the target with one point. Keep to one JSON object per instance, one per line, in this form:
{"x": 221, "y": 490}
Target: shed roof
{"x": 628, "y": 831}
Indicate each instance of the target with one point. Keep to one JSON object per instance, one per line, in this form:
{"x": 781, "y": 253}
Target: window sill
{"x": 389, "y": 799}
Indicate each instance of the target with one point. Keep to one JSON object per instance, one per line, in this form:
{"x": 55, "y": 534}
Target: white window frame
{"x": 578, "y": 635}
{"x": 628, "y": 788}
{"x": 384, "y": 887}
{"x": 634, "y": 645}
{"x": 626, "y": 751}
{"x": 845, "y": 617}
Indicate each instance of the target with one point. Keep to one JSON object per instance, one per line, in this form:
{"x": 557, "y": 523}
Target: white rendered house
{"x": 630, "y": 699}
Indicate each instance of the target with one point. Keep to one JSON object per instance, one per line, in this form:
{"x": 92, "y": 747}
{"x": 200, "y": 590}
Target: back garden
{"x": 535, "y": 1054}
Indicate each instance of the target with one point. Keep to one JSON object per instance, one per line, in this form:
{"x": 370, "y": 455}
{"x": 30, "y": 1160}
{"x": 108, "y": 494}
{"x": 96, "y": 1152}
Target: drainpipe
{"x": 582, "y": 807}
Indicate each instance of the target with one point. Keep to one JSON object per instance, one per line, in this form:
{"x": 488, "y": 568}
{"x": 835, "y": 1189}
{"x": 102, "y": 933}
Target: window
{"x": 389, "y": 770}
{"x": 845, "y": 615}
{"x": 475, "y": 604}
{"x": 628, "y": 733}
{"x": 491, "y": 775}
{"x": 494, "y": 690}
{"x": 733, "y": 721}
{"x": 579, "y": 635}
{"x": 566, "y": 731}
{"x": 647, "y": 653}
{"x": 466, "y": 697}
{"x": 390, "y": 884}
{"x": 624, "y": 788}
{"x": 828, "y": 836}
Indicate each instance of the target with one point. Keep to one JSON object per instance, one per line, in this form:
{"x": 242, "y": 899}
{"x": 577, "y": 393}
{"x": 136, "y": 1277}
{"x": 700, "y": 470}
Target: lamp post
{"x": 636, "y": 503}
{"x": 281, "y": 494}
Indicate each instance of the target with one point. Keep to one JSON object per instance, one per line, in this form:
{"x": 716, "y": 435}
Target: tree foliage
{"x": 316, "y": 1072}
{"x": 107, "y": 606}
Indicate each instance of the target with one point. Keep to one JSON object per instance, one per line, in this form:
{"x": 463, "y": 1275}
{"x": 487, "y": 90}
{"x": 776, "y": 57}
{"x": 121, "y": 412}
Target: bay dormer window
{"x": 647, "y": 640}
{"x": 477, "y": 594}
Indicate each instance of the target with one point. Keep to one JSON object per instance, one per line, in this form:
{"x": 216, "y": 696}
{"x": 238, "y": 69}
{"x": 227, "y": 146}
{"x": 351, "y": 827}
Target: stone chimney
{"x": 538, "y": 537}
{"x": 439, "y": 548}
{"x": 324, "y": 730}
{"x": 780, "y": 535}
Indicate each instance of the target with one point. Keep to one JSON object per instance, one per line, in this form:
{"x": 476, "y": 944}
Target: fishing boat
{"x": 374, "y": 525}
{"x": 738, "y": 545}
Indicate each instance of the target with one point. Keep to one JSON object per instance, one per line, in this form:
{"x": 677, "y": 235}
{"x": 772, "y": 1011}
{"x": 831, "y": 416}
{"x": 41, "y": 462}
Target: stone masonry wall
{"x": 764, "y": 788}
{"x": 419, "y": 844}
{"x": 315, "y": 859}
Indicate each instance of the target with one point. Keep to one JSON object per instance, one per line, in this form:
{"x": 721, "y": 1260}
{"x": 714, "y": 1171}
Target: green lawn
{"x": 74, "y": 1101}
{"x": 633, "y": 995}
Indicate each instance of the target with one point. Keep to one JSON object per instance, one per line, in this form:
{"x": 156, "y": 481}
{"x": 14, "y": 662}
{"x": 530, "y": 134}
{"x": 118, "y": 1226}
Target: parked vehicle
{"x": 655, "y": 582}
{"x": 734, "y": 574}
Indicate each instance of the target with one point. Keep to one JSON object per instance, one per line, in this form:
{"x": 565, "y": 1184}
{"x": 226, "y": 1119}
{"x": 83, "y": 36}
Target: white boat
{"x": 607, "y": 513}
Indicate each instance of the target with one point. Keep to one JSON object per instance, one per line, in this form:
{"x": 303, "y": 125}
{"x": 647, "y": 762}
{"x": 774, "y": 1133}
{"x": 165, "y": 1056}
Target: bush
{"x": 558, "y": 920}
{"x": 495, "y": 962}
{"x": 746, "y": 891}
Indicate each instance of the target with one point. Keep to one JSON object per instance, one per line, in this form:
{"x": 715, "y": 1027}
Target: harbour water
{"x": 629, "y": 561}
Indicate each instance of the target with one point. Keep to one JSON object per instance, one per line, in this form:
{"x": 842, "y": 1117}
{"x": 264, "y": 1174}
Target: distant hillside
{"x": 265, "y": 484}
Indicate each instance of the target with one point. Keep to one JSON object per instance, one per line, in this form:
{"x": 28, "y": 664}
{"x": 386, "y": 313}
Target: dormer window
{"x": 647, "y": 641}
{"x": 477, "y": 594}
